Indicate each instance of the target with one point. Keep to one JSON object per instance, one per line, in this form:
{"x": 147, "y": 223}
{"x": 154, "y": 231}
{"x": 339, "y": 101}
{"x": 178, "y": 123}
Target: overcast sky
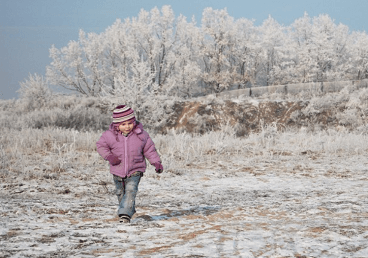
{"x": 28, "y": 28}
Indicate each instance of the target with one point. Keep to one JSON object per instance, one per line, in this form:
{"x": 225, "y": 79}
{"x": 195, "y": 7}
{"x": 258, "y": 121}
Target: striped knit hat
{"x": 122, "y": 113}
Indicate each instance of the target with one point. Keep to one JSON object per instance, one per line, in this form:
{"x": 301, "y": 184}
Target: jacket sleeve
{"x": 102, "y": 147}
{"x": 149, "y": 151}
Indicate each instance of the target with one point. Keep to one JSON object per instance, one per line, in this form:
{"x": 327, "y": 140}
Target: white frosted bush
{"x": 350, "y": 117}
{"x": 34, "y": 92}
{"x": 354, "y": 101}
{"x": 79, "y": 118}
{"x": 8, "y": 104}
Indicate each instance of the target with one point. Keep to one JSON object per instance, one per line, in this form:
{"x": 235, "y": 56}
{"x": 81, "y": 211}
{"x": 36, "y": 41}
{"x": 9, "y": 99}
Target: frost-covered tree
{"x": 186, "y": 71}
{"x": 154, "y": 36}
{"x": 301, "y": 33}
{"x": 329, "y": 42}
{"x": 358, "y": 48}
{"x": 321, "y": 49}
{"x": 117, "y": 53}
{"x": 341, "y": 64}
{"x": 133, "y": 90}
{"x": 272, "y": 39}
{"x": 78, "y": 66}
{"x": 247, "y": 53}
{"x": 218, "y": 49}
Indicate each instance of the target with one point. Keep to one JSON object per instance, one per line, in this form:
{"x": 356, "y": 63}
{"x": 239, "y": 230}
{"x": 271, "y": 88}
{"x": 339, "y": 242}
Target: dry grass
{"x": 48, "y": 152}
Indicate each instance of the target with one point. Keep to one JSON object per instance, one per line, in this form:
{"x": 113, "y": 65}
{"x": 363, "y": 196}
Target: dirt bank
{"x": 247, "y": 117}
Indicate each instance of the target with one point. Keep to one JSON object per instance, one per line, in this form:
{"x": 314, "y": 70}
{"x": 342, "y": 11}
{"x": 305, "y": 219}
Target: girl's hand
{"x": 159, "y": 167}
{"x": 113, "y": 160}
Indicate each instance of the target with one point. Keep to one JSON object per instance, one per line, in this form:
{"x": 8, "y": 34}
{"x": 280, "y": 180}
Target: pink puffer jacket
{"x": 131, "y": 150}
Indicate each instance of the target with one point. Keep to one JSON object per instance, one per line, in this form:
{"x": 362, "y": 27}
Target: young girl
{"x": 126, "y": 145}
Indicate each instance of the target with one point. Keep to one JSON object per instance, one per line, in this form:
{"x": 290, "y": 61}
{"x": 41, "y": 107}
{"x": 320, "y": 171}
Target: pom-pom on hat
{"x": 122, "y": 113}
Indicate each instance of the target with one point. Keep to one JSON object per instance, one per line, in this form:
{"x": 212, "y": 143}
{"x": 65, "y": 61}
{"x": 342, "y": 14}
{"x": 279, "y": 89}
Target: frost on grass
{"x": 272, "y": 194}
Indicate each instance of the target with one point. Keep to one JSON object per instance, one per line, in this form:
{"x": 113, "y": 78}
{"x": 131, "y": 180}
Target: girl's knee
{"x": 131, "y": 189}
{"x": 119, "y": 191}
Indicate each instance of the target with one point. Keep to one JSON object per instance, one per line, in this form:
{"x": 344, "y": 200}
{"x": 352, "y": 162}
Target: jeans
{"x": 126, "y": 191}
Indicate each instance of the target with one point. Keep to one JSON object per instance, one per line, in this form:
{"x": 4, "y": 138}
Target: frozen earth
{"x": 303, "y": 205}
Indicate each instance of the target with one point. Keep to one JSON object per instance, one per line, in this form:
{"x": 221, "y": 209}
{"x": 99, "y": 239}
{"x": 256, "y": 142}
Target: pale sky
{"x": 28, "y": 28}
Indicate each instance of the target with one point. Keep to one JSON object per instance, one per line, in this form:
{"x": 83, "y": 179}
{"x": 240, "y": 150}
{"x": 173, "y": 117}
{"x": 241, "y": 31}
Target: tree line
{"x": 161, "y": 54}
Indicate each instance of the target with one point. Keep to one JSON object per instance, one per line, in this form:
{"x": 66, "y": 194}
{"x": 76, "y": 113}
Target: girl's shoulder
{"x": 108, "y": 134}
{"x": 140, "y": 132}
{"x": 110, "y": 130}
{"x": 143, "y": 135}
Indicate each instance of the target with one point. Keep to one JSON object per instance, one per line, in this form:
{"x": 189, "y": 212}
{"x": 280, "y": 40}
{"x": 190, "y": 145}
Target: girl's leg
{"x": 127, "y": 203}
{"x": 119, "y": 187}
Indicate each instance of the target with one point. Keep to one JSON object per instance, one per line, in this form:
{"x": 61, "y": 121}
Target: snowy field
{"x": 278, "y": 199}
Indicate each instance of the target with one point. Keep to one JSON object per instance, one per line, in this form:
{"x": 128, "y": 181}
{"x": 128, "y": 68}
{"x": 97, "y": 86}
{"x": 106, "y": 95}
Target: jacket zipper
{"x": 125, "y": 156}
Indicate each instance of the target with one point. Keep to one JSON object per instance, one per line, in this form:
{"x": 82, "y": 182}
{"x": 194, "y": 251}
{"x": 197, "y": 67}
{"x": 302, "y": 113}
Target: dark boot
{"x": 123, "y": 218}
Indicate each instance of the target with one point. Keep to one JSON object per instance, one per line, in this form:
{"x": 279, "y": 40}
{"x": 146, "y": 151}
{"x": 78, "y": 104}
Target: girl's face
{"x": 126, "y": 127}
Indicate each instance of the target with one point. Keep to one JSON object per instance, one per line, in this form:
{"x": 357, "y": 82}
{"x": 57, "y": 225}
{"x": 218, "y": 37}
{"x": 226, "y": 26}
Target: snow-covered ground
{"x": 290, "y": 204}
